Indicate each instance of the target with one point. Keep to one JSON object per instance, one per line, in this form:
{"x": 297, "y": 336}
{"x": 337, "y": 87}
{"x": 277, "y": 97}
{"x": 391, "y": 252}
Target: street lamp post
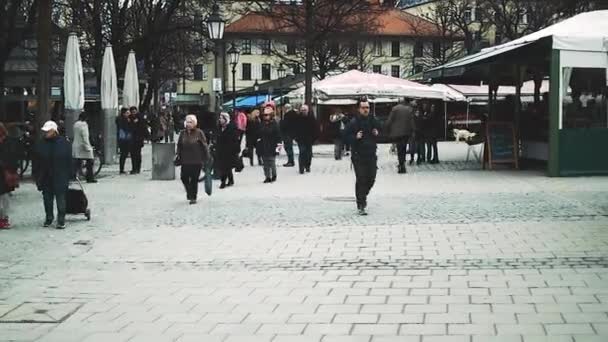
{"x": 256, "y": 88}
{"x": 281, "y": 73}
{"x": 233, "y": 55}
{"x": 215, "y": 28}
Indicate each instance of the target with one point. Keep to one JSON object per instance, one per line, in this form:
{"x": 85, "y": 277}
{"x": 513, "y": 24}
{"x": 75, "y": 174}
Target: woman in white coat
{"x": 82, "y": 150}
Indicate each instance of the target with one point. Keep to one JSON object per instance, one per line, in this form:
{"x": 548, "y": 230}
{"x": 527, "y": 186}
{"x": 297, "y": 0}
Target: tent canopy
{"x": 355, "y": 83}
{"x": 583, "y": 32}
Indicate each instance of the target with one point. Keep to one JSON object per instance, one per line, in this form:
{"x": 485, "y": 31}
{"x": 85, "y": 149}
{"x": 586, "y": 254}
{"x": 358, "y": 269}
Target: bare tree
{"x": 318, "y": 24}
{"x": 17, "y": 20}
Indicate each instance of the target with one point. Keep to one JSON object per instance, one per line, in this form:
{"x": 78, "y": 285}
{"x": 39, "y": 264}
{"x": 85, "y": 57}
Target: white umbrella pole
{"x": 445, "y": 120}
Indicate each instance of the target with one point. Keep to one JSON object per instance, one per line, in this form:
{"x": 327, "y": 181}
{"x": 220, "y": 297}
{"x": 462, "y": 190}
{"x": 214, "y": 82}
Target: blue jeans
{"x": 48, "y": 197}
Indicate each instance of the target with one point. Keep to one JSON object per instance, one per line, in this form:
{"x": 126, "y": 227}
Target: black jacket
{"x": 289, "y": 123}
{"x": 366, "y": 147}
{"x": 270, "y": 137}
{"x": 306, "y": 129}
{"x": 227, "y": 147}
{"x": 139, "y": 130}
{"x": 252, "y": 133}
{"x": 54, "y": 164}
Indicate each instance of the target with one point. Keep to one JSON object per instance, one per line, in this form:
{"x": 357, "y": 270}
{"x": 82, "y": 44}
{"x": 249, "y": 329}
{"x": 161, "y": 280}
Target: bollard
{"x": 162, "y": 161}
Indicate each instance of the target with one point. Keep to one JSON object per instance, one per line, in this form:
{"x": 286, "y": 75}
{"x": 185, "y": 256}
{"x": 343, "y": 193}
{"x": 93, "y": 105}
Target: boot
{"x": 223, "y": 185}
{"x": 4, "y": 224}
{"x": 289, "y": 164}
{"x": 230, "y": 180}
{"x": 273, "y": 179}
{"x": 267, "y": 180}
{"x": 401, "y": 169}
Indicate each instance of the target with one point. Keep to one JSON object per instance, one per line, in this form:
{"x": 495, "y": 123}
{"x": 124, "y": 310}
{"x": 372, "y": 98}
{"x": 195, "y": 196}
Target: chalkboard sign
{"x": 501, "y": 144}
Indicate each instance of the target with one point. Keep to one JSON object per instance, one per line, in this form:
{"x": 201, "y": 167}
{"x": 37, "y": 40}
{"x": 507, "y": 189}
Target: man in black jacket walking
{"x": 362, "y": 133}
{"x": 307, "y": 131}
{"x": 54, "y": 158}
{"x": 288, "y": 131}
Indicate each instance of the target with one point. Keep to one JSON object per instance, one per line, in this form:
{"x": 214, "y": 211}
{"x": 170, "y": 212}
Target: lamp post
{"x": 233, "y": 55}
{"x": 281, "y": 73}
{"x": 215, "y": 29}
{"x": 256, "y": 88}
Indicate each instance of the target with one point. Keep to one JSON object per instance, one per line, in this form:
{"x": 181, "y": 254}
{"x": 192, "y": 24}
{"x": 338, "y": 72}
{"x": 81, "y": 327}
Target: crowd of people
{"x": 409, "y": 127}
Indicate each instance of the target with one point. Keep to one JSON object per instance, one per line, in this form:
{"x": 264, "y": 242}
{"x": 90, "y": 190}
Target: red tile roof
{"x": 390, "y": 22}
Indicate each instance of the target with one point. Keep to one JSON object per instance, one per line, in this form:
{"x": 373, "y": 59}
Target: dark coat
{"x": 306, "y": 129}
{"x": 54, "y": 160}
{"x": 192, "y": 148}
{"x": 366, "y": 147}
{"x": 139, "y": 130}
{"x": 227, "y": 147}
{"x": 400, "y": 122}
{"x": 289, "y": 123}
{"x": 10, "y": 153}
{"x": 270, "y": 137}
{"x": 123, "y": 124}
{"x": 253, "y": 132}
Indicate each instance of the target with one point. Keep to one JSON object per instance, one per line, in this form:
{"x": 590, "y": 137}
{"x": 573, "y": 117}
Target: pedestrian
{"x": 124, "y": 137}
{"x": 338, "y": 123}
{"x": 422, "y": 130}
{"x": 169, "y": 127}
{"x": 433, "y": 134}
{"x": 9, "y": 179}
{"x": 288, "y": 124}
{"x": 400, "y": 128}
{"x": 269, "y": 139}
{"x": 192, "y": 154}
{"x": 139, "y": 131}
{"x": 241, "y": 124}
{"x": 82, "y": 150}
{"x": 252, "y": 135}
{"x": 306, "y": 132}
{"x": 227, "y": 150}
{"x": 362, "y": 132}
{"x": 54, "y": 160}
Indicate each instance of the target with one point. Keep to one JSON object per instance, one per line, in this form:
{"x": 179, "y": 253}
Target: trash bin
{"x": 162, "y": 161}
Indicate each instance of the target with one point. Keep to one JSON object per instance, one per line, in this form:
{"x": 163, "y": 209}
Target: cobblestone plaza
{"x": 448, "y": 253}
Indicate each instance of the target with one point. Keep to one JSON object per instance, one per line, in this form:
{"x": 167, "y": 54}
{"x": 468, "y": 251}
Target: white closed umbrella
{"x": 130, "y": 93}
{"x": 109, "y": 104}
{"x": 73, "y": 84}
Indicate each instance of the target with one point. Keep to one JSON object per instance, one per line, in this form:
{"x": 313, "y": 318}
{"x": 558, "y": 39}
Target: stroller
{"x": 76, "y": 201}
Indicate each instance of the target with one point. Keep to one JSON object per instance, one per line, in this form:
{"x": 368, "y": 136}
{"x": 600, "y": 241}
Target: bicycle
{"x": 97, "y": 157}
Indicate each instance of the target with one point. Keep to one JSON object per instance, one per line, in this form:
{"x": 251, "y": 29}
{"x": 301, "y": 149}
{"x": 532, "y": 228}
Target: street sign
{"x": 217, "y": 84}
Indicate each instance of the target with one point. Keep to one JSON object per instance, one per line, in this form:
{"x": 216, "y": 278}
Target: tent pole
{"x": 445, "y": 120}
{"x": 468, "y": 110}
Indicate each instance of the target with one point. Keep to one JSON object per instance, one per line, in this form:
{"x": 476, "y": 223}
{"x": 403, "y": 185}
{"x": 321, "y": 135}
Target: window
{"x": 418, "y": 49}
{"x": 498, "y": 37}
{"x": 246, "y": 72}
{"x": 477, "y": 16}
{"x": 396, "y": 49}
{"x": 585, "y": 103}
{"x": 352, "y": 49}
{"x": 246, "y": 47}
{"x": 436, "y": 50}
{"x": 265, "y": 45}
{"x": 334, "y": 48}
{"x": 291, "y": 48}
{"x": 295, "y": 68}
{"x": 266, "y": 72}
{"x": 198, "y": 72}
{"x": 468, "y": 14}
{"x": 353, "y": 67}
{"x": 523, "y": 15}
{"x": 395, "y": 71}
{"x": 377, "y": 69}
{"x": 418, "y": 69}
{"x": 378, "y": 49}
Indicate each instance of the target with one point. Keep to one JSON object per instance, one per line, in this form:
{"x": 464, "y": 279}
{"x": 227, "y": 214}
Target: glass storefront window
{"x": 585, "y": 100}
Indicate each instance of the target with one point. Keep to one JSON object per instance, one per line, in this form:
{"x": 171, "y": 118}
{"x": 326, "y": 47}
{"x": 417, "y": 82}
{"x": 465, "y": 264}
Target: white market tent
{"x": 578, "y": 44}
{"x": 379, "y": 88}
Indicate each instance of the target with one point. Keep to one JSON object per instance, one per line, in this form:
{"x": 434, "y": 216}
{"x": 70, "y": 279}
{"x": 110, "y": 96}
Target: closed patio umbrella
{"x": 73, "y": 84}
{"x": 109, "y": 105}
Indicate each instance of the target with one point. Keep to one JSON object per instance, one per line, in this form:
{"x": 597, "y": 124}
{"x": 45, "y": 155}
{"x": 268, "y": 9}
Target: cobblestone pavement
{"x": 448, "y": 254}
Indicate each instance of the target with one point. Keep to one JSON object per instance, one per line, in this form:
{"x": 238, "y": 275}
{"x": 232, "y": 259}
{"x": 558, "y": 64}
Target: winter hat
{"x": 226, "y": 116}
{"x": 270, "y": 104}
